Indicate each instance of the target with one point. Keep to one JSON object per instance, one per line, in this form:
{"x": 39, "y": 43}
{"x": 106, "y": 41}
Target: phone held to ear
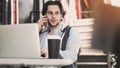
{"x": 45, "y": 24}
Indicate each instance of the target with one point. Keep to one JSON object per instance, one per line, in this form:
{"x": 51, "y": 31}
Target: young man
{"x": 53, "y": 15}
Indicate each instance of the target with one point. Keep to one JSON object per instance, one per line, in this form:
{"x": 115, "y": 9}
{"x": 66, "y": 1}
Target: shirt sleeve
{"x": 72, "y": 46}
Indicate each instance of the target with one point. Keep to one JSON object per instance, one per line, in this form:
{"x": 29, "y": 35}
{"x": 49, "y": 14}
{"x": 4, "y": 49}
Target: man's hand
{"x": 41, "y": 22}
{"x": 44, "y": 53}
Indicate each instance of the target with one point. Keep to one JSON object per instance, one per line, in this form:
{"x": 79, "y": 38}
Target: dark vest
{"x": 66, "y": 30}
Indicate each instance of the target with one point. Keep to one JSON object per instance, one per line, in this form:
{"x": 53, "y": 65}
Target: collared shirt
{"x": 72, "y": 46}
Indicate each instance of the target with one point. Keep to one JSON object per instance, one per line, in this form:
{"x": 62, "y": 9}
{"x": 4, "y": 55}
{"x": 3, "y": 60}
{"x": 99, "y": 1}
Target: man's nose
{"x": 54, "y": 15}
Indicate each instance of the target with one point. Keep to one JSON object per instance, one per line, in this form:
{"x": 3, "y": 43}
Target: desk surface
{"x": 39, "y": 62}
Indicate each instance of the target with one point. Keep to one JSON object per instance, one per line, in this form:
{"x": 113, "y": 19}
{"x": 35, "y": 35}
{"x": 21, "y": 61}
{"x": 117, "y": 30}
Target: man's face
{"x": 54, "y": 15}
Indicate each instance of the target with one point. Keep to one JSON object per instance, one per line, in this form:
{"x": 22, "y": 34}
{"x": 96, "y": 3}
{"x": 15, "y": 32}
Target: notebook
{"x": 19, "y": 41}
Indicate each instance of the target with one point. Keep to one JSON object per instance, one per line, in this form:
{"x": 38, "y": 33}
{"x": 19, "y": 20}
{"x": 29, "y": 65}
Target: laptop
{"x": 19, "y": 41}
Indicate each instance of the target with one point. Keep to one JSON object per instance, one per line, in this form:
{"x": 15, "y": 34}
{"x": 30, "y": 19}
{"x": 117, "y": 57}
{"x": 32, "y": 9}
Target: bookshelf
{"x": 88, "y": 8}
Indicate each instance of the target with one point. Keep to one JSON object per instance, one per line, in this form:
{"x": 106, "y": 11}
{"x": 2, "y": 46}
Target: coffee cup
{"x": 53, "y": 46}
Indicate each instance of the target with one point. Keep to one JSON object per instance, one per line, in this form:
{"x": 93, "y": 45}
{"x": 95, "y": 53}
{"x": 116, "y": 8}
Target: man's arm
{"x": 72, "y": 46}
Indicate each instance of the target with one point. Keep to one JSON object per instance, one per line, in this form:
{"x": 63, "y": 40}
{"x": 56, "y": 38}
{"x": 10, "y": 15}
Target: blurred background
{"x": 97, "y": 21}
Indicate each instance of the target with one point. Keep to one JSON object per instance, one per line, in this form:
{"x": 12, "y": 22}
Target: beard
{"x": 52, "y": 25}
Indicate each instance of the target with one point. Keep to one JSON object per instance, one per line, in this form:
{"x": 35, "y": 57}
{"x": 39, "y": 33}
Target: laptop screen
{"x": 19, "y": 41}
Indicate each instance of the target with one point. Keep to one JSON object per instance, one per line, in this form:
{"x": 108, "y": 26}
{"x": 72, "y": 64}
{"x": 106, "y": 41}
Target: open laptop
{"x": 19, "y": 41}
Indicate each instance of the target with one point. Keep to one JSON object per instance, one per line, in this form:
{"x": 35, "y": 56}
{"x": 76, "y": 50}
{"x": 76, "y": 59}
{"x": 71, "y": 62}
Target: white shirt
{"x": 72, "y": 46}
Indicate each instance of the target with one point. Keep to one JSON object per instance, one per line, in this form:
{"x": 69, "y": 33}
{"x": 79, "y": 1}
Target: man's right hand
{"x": 41, "y": 21}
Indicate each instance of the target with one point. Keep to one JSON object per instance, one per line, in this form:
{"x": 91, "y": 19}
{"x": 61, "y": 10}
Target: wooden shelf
{"x": 87, "y": 11}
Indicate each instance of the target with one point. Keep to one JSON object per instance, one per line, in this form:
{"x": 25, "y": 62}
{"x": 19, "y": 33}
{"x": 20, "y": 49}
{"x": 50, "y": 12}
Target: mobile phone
{"x": 45, "y": 24}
